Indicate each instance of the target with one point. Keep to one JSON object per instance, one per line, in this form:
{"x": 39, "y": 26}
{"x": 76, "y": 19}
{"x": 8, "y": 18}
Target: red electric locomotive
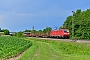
{"x": 62, "y": 33}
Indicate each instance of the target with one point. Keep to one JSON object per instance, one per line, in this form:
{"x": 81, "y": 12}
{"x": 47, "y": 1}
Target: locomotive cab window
{"x": 66, "y": 30}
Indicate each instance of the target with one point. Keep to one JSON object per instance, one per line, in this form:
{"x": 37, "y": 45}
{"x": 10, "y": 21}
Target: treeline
{"x": 6, "y": 31}
{"x": 81, "y": 24}
{"x": 44, "y": 31}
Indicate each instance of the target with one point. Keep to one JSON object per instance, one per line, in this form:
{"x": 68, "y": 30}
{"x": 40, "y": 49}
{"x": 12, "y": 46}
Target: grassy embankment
{"x": 56, "y": 50}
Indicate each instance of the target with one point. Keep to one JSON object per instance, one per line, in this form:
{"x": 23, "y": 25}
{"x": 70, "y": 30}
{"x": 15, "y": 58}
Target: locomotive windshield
{"x": 66, "y": 30}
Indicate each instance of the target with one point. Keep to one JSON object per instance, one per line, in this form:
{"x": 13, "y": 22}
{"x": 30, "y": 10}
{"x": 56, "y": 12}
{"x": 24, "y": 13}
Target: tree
{"x": 33, "y": 31}
{"x": 44, "y": 30}
{"x": 47, "y": 30}
{"x": 0, "y": 29}
{"x": 27, "y": 30}
{"x": 6, "y": 31}
{"x": 19, "y": 34}
{"x": 81, "y": 24}
{"x": 40, "y": 31}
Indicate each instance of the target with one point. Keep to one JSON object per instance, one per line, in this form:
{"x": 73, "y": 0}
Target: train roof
{"x": 61, "y": 29}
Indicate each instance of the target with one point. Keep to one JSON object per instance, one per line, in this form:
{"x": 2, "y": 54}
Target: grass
{"x": 39, "y": 51}
{"x": 56, "y": 50}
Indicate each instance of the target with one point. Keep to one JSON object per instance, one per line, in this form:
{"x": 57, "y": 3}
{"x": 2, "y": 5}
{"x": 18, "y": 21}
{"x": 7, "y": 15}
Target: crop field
{"x": 12, "y": 46}
{"x": 56, "y": 50}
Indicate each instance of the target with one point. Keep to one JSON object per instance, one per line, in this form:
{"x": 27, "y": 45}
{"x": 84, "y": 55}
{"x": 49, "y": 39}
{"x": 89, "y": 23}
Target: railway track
{"x": 66, "y": 40}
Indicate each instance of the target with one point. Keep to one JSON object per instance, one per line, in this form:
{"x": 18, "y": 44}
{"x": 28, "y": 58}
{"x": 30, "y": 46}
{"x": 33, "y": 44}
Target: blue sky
{"x": 18, "y": 15}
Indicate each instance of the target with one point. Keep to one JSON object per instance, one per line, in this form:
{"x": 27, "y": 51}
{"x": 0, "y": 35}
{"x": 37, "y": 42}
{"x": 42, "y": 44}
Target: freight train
{"x": 62, "y": 33}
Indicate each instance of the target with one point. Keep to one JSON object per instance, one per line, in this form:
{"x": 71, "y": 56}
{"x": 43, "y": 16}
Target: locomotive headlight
{"x": 64, "y": 33}
{"x": 68, "y": 33}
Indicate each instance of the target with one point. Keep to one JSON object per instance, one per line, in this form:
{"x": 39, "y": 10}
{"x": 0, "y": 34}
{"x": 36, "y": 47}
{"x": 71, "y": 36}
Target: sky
{"x": 19, "y": 15}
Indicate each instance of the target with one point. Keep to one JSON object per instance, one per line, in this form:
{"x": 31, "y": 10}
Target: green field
{"x": 43, "y": 49}
{"x": 12, "y": 46}
{"x": 56, "y": 50}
